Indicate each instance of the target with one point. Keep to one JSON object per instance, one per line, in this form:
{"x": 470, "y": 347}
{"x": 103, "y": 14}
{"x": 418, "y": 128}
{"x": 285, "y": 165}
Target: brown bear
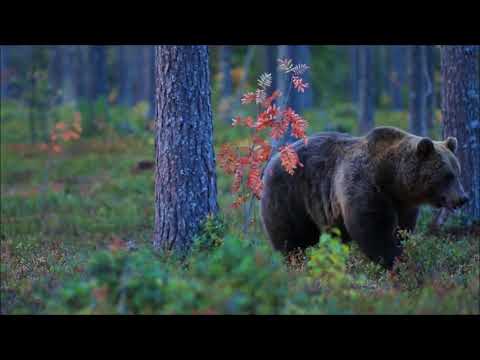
{"x": 365, "y": 186}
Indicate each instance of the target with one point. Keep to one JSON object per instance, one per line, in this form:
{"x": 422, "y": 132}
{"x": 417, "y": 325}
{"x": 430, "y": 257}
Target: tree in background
{"x": 271, "y": 63}
{"x": 4, "y": 68}
{"x": 354, "y": 71}
{"x": 185, "y": 178}
{"x": 294, "y": 99}
{"x": 226, "y": 85}
{"x": 153, "y": 88}
{"x": 397, "y": 65}
{"x": 365, "y": 91}
{"x": 417, "y": 98}
{"x": 226, "y": 88}
{"x": 67, "y": 84}
{"x": 80, "y": 76}
{"x": 429, "y": 74}
{"x": 461, "y": 115}
{"x": 125, "y": 96}
{"x": 98, "y": 66}
{"x": 145, "y": 77}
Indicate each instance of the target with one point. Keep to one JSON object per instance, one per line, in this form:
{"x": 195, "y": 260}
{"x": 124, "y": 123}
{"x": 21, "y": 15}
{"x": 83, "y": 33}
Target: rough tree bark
{"x": 461, "y": 115}
{"x": 417, "y": 100}
{"x": 185, "y": 179}
{"x": 365, "y": 90}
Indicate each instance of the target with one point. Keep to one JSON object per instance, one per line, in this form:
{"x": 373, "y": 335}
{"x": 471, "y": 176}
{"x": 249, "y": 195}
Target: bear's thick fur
{"x": 366, "y": 186}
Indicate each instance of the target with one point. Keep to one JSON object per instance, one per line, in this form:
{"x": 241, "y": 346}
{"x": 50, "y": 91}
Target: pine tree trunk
{"x": 397, "y": 76}
{"x": 68, "y": 59}
{"x": 365, "y": 92}
{"x": 185, "y": 179}
{"x": 354, "y": 72}
{"x": 80, "y": 78}
{"x": 461, "y": 115}
{"x": 98, "y": 64}
{"x": 226, "y": 88}
{"x": 153, "y": 88}
{"x": 4, "y": 68}
{"x": 429, "y": 73}
{"x": 417, "y": 101}
{"x": 271, "y": 65}
{"x": 125, "y": 93}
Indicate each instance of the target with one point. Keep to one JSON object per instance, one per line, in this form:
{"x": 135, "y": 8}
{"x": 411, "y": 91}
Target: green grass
{"x": 59, "y": 215}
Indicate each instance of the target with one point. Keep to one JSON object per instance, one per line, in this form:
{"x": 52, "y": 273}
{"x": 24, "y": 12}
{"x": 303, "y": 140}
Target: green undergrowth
{"x": 62, "y": 215}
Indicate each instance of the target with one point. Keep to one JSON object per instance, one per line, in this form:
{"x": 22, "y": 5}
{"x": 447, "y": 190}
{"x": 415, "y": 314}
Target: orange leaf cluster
{"x": 298, "y": 84}
{"x": 245, "y": 163}
{"x": 289, "y": 158}
{"x": 65, "y": 132}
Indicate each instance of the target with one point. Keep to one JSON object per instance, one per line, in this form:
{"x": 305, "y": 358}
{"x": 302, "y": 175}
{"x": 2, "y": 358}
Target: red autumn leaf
{"x": 298, "y": 84}
{"x": 254, "y": 181}
{"x": 117, "y": 244}
{"x": 237, "y": 179}
{"x": 268, "y": 101}
{"x": 289, "y": 159}
{"x": 263, "y": 121}
{"x": 227, "y": 159}
{"x": 262, "y": 150}
{"x": 248, "y": 98}
{"x": 237, "y": 120}
{"x": 299, "y": 125}
{"x": 56, "y": 148}
{"x": 278, "y": 128}
{"x": 100, "y": 293}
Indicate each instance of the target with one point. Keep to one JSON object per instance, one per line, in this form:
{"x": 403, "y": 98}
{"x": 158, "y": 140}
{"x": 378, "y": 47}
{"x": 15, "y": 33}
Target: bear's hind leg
{"x": 286, "y": 236}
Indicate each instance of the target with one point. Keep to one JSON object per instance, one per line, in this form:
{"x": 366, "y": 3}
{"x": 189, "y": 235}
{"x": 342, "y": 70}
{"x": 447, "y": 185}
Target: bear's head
{"x": 436, "y": 174}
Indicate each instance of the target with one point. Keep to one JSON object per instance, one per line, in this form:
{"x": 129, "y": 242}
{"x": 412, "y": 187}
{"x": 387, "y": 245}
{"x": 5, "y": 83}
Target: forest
{"x": 152, "y": 179}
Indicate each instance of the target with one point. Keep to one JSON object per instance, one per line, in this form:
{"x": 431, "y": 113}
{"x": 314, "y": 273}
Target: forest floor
{"x": 76, "y": 230}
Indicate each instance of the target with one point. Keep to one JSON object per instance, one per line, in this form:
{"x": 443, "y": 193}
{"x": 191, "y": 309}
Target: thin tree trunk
{"x": 354, "y": 72}
{"x": 153, "y": 89}
{"x": 226, "y": 88}
{"x": 417, "y": 100}
{"x": 68, "y": 58}
{"x": 98, "y": 63}
{"x": 80, "y": 75}
{"x": 125, "y": 83}
{"x": 271, "y": 65}
{"x": 366, "y": 101}
{"x": 185, "y": 179}
{"x": 397, "y": 76}
{"x": 4, "y": 68}
{"x": 429, "y": 74}
{"x": 461, "y": 115}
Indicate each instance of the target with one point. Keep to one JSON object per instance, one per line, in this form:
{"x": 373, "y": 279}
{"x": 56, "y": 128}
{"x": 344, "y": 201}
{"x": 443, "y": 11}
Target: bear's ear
{"x": 424, "y": 148}
{"x": 451, "y": 143}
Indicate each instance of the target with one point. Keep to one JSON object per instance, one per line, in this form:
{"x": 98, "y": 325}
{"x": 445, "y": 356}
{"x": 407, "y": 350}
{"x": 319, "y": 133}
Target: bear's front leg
{"x": 371, "y": 223}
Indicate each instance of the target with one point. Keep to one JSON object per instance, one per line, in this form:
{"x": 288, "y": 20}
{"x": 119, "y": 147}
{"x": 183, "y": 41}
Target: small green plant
{"x": 327, "y": 261}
